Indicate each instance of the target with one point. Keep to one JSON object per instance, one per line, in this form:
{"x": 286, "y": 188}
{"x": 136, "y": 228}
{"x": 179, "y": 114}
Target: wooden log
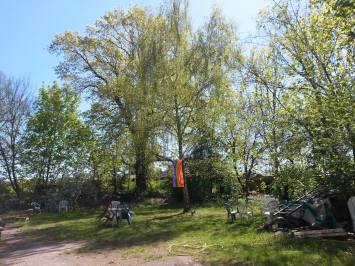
{"x": 321, "y": 233}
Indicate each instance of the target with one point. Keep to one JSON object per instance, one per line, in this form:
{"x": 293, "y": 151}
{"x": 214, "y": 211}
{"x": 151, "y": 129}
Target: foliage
{"x": 162, "y": 90}
{"x": 313, "y": 89}
{"x": 5, "y": 188}
{"x": 71, "y": 188}
{"x": 118, "y": 61}
{"x": 243, "y": 138}
{"x": 152, "y": 75}
{"x": 56, "y": 139}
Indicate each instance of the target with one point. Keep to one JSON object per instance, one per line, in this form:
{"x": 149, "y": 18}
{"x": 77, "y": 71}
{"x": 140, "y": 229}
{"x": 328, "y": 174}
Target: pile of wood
{"x": 323, "y": 233}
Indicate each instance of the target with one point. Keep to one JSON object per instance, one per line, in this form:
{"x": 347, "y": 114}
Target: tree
{"x": 151, "y": 72}
{"x": 72, "y": 188}
{"x": 118, "y": 61}
{"x": 308, "y": 46}
{"x": 196, "y": 69}
{"x": 56, "y": 139}
{"x": 243, "y": 138}
{"x": 15, "y": 106}
{"x": 283, "y": 141}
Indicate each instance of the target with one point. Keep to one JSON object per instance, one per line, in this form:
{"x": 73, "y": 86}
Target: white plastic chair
{"x": 269, "y": 200}
{"x": 243, "y": 209}
{"x": 270, "y": 207}
{"x": 63, "y": 204}
{"x": 36, "y": 207}
{"x": 351, "y": 205}
{"x": 112, "y": 210}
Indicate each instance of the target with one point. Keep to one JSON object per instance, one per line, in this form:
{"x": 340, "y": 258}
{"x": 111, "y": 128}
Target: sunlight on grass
{"x": 165, "y": 225}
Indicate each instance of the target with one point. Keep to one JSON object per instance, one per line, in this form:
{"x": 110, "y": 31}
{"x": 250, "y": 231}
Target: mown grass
{"x": 166, "y": 225}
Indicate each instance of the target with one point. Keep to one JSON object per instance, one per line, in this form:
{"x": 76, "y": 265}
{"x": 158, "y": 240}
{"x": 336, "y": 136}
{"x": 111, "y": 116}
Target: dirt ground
{"x": 20, "y": 248}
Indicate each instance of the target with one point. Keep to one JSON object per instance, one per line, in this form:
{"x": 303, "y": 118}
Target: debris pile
{"x": 319, "y": 214}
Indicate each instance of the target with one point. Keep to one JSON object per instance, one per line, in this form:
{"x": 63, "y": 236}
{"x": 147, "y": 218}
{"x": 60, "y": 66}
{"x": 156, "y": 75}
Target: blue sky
{"x": 28, "y": 26}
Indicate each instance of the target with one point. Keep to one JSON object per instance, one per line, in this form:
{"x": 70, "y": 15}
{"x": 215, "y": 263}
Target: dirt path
{"x": 21, "y": 248}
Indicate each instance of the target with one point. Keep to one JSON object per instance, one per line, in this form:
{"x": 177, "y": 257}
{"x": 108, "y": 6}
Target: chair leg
{"x": 240, "y": 218}
{"x": 233, "y": 217}
{"x": 249, "y": 218}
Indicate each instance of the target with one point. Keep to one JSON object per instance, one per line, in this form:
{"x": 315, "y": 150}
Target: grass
{"x": 206, "y": 235}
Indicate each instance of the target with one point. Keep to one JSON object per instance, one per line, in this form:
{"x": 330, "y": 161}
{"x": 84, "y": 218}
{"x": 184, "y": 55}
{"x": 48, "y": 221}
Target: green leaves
{"x": 56, "y": 138}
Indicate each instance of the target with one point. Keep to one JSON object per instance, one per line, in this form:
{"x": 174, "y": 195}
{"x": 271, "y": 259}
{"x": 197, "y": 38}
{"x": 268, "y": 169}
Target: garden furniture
{"x": 283, "y": 204}
{"x": 50, "y": 205}
{"x": 125, "y": 212}
{"x": 270, "y": 209}
{"x": 109, "y": 213}
{"x": 246, "y": 210}
{"x": 351, "y": 205}
{"x": 25, "y": 215}
{"x": 63, "y": 204}
{"x": 36, "y": 207}
{"x": 230, "y": 211}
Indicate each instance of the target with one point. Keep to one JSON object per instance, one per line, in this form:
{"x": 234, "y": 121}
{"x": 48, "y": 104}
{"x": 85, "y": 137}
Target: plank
{"x": 321, "y": 233}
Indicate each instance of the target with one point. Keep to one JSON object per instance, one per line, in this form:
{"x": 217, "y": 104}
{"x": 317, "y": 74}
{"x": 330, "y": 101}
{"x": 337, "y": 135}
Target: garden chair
{"x": 63, "y": 204}
{"x": 268, "y": 200}
{"x": 109, "y": 213}
{"x": 36, "y": 207}
{"x": 50, "y": 205}
{"x": 106, "y": 214}
{"x": 124, "y": 208}
{"x": 270, "y": 209}
{"x": 112, "y": 209}
{"x": 246, "y": 210}
{"x": 283, "y": 204}
{"x": 351, "y": 205}
{"x": 231, "y": 212}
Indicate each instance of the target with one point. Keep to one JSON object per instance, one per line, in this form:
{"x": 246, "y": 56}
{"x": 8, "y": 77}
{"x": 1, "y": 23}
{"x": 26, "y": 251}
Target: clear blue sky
{"x": 28, "y": 26}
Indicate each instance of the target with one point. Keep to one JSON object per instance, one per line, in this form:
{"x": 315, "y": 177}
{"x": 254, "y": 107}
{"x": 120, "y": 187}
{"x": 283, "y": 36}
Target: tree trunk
{"x": 185, "y": 191}
{"x": 141, "y": 170}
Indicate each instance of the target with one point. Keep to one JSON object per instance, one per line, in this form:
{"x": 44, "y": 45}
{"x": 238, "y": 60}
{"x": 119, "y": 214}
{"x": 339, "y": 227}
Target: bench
{"x": 25, "y": 215}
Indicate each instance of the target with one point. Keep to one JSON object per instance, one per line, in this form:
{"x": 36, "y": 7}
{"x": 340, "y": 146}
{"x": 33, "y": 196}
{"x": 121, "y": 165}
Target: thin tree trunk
{"x": 185, "y": 191}
{"x": 141, "y": 170}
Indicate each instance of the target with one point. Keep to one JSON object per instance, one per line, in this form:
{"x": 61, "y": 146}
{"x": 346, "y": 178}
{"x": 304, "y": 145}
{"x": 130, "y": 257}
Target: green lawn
{"x": 166, "y": 225}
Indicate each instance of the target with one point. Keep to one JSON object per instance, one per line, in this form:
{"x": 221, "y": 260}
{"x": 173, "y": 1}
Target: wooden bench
{"x": 25, "y": 215}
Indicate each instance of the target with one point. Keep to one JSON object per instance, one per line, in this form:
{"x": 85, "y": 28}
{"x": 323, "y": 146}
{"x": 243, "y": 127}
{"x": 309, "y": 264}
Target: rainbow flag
{"x": 178, "y": 177}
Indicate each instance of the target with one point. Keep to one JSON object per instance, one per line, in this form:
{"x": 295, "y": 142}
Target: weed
{"x": 152, "y": 257}
{"x": 83, "y": 250}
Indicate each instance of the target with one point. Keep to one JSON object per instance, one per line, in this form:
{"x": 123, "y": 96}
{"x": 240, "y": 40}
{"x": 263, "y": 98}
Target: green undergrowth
{"x": 207, "y": 235}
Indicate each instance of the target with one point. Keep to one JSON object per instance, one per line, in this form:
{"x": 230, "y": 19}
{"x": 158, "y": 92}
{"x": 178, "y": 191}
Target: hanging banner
{"x": 178, "y": 177}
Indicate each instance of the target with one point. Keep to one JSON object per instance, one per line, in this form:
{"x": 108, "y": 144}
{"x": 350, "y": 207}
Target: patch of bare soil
{"x": 20, "y": 248}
